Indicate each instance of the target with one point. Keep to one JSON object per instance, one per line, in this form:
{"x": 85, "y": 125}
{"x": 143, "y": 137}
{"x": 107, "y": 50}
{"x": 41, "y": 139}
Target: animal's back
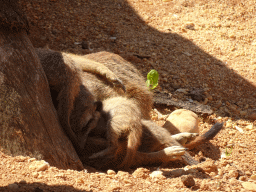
{"x": 132, "y": 79}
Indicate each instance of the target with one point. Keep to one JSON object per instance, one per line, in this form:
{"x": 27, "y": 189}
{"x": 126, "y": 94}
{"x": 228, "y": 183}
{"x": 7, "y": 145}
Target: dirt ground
{"x": 193, "y": 44}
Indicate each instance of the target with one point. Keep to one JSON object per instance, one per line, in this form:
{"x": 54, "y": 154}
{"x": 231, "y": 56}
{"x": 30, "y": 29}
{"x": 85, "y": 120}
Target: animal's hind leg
{"x": 165, "y": 155}
{"x": 110, "y": 151}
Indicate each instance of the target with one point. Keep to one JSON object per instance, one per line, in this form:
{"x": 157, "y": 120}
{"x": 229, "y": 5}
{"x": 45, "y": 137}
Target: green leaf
{"x": 152, "y": 79}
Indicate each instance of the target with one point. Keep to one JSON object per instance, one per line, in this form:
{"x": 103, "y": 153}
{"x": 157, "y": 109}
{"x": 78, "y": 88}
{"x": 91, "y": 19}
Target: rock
{"x": 141, "y": 173}
{"x": 35, "y": 174}
{"x": 188, "y": 180}
{"x": 182, "y": 120}
{"x": 111, "y": 172}
{"x": 23, "y": 182}
{"x": 249, "y": 186}
{"x": 233, "y": 174}
{"x": 157, "y": 174}
{"x": 253, "y": 177}
{"x": 79, "y": 180}
{"x": 209, "y": 166}
{"x": 190, "y": 26}
{"x": 242, "y": 178}
{"x": 13, "y": 187}
{"x": 43, "y": 167}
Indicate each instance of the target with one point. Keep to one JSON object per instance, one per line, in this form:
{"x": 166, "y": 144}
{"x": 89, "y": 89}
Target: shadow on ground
{"x": 39, "y": 187}
{"x": 180, "y": 62}
{"x": 115, "y": 26}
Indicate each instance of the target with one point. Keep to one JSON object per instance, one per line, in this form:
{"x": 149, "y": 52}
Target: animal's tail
{"x": 133, "y": 143}
{"x": 205, "y": 137}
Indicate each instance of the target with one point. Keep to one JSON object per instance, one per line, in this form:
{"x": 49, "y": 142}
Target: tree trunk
{"x": 28, "y": 120}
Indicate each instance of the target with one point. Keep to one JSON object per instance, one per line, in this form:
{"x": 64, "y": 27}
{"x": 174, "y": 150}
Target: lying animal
{"x": 132, "y": 139}
{"x": 63, "y": 72}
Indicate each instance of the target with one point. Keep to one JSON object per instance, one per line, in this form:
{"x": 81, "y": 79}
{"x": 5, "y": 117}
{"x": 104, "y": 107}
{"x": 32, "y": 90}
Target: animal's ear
{"x": 98, "y": 105}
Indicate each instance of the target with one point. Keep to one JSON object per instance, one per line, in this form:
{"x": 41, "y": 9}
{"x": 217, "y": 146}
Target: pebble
{"x": 141, "y": 173}
{"x": 248, "y": 173}
{"x": 80, "y": 180}
{"x": 43, "y": 167}
{"x": 35, "y": 174}
{"x": 190, "y": 26}
{"x": 249, "y": 186}
{"x": 184, "y": 120}
{"x": 23, "y": 182}
{"x": 111, "y": 172}
{"x": 233, "y": 174}
{"x": 157, "y": 174}
{"x": 253, "y": 177}
{"x": 13, "y": 186}
{"x": 209, "y": 166}
{"x": 188, "y": 180}
{"x": 242, "y": 178}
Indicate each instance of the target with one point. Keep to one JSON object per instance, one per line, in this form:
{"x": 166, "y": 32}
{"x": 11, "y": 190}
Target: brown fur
{"x": 125, "y": 115}
{"x": 69, "y": 94}
{"x": 122, "y": 111}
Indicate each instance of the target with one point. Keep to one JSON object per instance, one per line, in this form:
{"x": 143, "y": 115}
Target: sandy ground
{"x": 206, "y": 45}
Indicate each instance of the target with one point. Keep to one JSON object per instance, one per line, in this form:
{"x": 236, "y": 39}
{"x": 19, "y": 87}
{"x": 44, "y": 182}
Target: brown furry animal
{"x": 122, "y": 120}
{"x": 125, "y": 122}
{"x": 63, "y": 72}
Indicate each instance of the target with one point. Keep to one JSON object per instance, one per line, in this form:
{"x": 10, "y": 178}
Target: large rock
{"x": 182, "y": 120}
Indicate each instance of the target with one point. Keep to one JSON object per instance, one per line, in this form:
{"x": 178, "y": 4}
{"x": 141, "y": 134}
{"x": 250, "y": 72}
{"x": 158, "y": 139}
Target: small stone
{"x": 35, "y": 174}
{"x": 141, "y": 173}
{"x": 249, "y": 186}
{"x": 43, "y": 167}
{"x": 80, "y": 180}
{"x": 248, "y": 173}
{"x": 242, "y": 178}
{"x": 253, "y": 177}
{"x": 209, "y": 166}
{"x": 157, "y": 174}
{"x": 111, "y": 172}
{"x": 233, "y": 174}
{"x": 184, "y": 120}
{"x": 190, "y": 26}
{"x": 188, "y": 180}
{"x": 23, "y": 182}
{"x": 249, "y": 127}
{"x": 13, "y": 187}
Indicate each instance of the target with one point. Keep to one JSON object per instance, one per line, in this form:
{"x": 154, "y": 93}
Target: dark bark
{"x": 28, "y": 120}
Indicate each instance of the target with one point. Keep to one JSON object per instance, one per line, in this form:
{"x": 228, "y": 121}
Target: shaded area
{"x": 115, "y": 26}
{"x": 39, "y": 187}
